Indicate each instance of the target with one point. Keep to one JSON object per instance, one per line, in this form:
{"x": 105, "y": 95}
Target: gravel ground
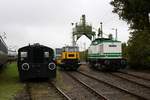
{"x": 104, "y": 89}
{"x": 44, "y": 91}
{"x": 135, "y": 79}
{"x": 140, "y": 73}
{"x": 40, "y": 91}
{"x": 118, "y": 82}
{"x": 22, "y": 95}
{"x": 73, "y": 89}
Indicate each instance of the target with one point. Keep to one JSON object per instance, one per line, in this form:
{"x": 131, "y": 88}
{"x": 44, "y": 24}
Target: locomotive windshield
{"x": 46, "y": 54}
{"x": 24, "y": 54}
{"x": 71, "y": 49}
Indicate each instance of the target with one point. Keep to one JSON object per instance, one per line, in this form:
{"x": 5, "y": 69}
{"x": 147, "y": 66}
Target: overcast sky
{"x": 48, "y": 22}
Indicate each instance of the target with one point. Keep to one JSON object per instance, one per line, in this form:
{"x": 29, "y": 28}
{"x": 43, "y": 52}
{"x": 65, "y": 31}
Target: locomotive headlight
{"x": 51, "y": 66}
{"x": 25, "y": 66}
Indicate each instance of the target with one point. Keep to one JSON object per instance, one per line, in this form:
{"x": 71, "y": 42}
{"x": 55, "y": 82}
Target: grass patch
{"x": 9, "y": 82}
{"x": 60, "y": 81}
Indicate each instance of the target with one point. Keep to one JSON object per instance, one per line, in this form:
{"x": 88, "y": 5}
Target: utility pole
{"x": 73, "y": 37}
{"x": 116, "y": 32}
{"x": 84, "y": 51}
{"x": 101, "y": 29}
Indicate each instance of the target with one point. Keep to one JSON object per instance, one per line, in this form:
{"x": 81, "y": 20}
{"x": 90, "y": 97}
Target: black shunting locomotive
{"x": 36, "y": 61}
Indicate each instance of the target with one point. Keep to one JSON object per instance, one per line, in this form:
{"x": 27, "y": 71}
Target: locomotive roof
{"x": 70, "y": 47}
{"x": 34, "y": 46}
{"x": 102, "y": 40}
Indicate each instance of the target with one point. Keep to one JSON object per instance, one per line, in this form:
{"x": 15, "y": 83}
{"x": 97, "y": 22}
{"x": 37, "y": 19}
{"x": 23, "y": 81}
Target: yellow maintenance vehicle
{"x": 70, "y": 58}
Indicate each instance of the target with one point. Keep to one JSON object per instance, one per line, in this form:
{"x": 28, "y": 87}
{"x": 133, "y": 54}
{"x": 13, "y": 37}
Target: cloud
{"x": 49, "y": 21}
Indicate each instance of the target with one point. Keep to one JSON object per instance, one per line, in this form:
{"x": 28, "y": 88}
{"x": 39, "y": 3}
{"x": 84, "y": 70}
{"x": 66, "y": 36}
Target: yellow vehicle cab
{"x": 70, "y": 57}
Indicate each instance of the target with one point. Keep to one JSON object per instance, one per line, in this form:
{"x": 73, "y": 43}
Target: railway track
{"x": 137, "y": 76}
{"x": 44, "y": 91}
{"x": 62, "y": 95}
{"x": 121, "y": 89}
{"x": 92, "y": 90}
{"x": 133, "y": 79}
{"x": 74, "y": 89}
{"x": 27, "y": 89}
{"x": 61, "y": 92}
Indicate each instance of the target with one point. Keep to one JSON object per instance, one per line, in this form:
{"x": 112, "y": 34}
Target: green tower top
{"x": 82, "y": 28}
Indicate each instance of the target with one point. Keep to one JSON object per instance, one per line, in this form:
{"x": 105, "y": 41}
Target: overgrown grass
{"x": 60, "y": 81}
{"x": 9, "y": 82}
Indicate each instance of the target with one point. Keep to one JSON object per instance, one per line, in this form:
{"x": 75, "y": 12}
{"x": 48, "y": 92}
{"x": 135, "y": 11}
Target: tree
{"x": 124, "y": 50}
{"x": 84, "y": 55}
{"x": 139, "y": 49}
{"x": 135, "y": 12}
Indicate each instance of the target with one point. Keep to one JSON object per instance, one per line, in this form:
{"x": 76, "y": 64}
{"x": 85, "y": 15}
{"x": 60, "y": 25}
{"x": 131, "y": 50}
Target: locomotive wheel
{"x": 102, "y": 67}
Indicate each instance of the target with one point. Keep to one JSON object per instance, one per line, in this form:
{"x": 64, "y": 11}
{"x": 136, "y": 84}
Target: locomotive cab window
{"x": 46, "y": 54}
{"x": 71, "y": 49}
{"x": 112, "y": 45}
{"x": 24, "y": 54}
{"x": 95, "y": 43}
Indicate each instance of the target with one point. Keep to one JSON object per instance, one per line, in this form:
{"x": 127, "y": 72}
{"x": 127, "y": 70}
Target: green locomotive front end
{"x": 106, "y": 54}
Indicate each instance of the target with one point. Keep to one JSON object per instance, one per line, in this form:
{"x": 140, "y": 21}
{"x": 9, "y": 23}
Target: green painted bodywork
{"x": 103, "y": 40}
{"x": 104, "y": 55}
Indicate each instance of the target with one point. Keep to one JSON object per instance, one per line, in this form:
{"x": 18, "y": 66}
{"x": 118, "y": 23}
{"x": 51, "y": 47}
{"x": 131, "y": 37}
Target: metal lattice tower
{"x": 82, "y": 28}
